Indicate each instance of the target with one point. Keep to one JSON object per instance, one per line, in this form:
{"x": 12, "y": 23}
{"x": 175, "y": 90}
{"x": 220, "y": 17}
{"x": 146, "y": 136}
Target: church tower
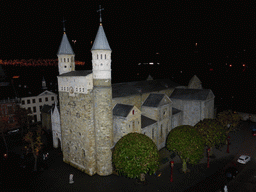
{"x": 66, "y": 56}
{"x": 103, "y": 124}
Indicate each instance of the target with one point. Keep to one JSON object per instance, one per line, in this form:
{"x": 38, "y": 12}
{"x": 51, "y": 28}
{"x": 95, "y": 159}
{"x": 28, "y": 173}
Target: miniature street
{"x": 55, "y": 176}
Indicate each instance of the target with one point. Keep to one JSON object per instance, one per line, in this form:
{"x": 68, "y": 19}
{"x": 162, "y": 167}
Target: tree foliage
{"x": 135, "y": 154}
{"x": 211, "y": 131}
{"x": 34, "y": 142}
{"x": 186, "y": 142}
{"x": 229, "y": 120}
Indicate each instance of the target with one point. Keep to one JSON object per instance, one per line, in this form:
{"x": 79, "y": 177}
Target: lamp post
{"x": 172, "y": 164}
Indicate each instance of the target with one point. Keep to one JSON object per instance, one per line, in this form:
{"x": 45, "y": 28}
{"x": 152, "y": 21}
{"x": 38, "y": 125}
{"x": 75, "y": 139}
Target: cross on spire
{"x": 100, "y": 13}
{"x": 63, "y": 21}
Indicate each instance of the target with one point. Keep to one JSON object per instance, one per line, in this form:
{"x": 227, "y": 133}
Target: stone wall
{"x": 77, "y": 130}
{"x": 150, "y": 112}
{"x": 46, "y": 122}
{"x": 123, "y": 126}
{"x": 148, "y": 131}
{"x": 208, "y": 109}
{"x": 103, "y": 115}
{"x": 177, "y": 119}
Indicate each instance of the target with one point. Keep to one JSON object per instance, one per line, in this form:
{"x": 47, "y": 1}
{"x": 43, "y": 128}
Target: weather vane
{"x": 63, "y": 25}
{"x": 100, "y": 13}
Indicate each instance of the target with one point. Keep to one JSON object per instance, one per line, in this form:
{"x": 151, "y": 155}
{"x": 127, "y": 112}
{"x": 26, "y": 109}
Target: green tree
{"x": 229, "y": 120}
{"x": 187, "y": 143}
{"x": 34, "y": 142}
{"x": 135, "y": 155}
{"x": 211, "y": 131}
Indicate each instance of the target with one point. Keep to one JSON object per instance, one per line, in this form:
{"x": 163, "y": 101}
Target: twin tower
{"x": 85, "y": 99}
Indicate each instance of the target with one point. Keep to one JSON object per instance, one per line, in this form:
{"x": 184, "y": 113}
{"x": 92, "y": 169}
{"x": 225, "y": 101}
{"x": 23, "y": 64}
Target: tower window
{"x": 80, "y": 89}
{"x": 105, "y": 56}
{"x": 101, "y": 64}
{"x": 100, "y": 56}
{"x": 97, "y": 56}
{"x": 70, "y": 66}
{"x": 83, "y": 89}
{"x": 64, "y": 59}
{"x": 68, "y": 59}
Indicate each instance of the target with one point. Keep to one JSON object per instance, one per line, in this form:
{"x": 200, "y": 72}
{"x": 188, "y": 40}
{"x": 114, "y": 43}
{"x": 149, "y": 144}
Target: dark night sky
{"x": 136, "y": 31}
{"x": 33, "y": 29}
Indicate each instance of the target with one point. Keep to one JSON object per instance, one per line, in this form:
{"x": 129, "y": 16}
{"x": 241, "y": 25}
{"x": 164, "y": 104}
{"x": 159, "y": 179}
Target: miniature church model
{"x": 94, "y": 113}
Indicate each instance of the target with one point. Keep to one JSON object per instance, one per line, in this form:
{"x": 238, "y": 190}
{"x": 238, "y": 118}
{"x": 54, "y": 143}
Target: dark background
{"x": 223, "y": 30}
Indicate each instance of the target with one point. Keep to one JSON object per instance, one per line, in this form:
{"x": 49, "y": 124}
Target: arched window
{"x": 68, "y": 59}
{"x": 64, "y": 59}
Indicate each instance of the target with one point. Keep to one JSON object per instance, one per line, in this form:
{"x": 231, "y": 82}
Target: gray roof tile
{"x": 122, "y": 110}
{"x": 47, "y": 109}
{"x": 145, "y": 121}
{"x": 65, "y": 47}
{"x": 190, "y": 94}
{"x": 100, "y": 42}
{"x": 139, "y": 87}
{"x": 153, "y": 100}
{"x": 175, "y": 111}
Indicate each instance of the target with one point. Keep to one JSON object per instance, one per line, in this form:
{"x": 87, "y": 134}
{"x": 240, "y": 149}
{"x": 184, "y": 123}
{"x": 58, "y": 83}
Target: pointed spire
{"x": 100, "y": 42}
{"x": 65, "y": 47}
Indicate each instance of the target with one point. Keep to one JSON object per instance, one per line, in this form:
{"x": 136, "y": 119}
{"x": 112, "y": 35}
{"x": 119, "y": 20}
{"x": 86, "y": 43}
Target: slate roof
{"x": 139, "y": 87}
{"x": 100, "y": 42}
{"x": 145, "y": 121}
{"x": 46, "y": 109}
{"x": 190, "y": 94}
{"x": 175, "y": 111}
{"x": 65, "y": 47}
{"x": 122, "y": 110}
{"x": 153, "y": 100}
{"x": 77, "y": 73}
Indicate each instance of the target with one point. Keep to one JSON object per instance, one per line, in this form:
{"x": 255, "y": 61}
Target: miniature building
{"x": 94, "y": 113}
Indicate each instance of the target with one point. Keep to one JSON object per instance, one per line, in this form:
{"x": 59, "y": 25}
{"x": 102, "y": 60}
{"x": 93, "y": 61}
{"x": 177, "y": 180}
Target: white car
{"x": 244, "y": 159}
